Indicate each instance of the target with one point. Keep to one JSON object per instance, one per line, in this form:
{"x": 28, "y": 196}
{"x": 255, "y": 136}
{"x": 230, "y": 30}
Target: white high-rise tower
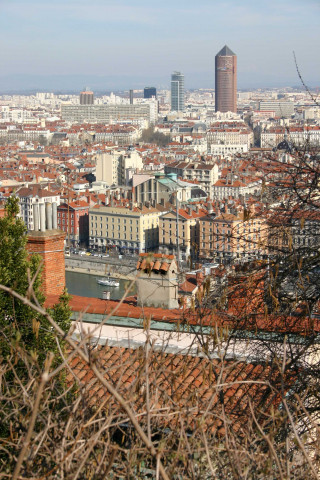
{"x": 177, "y": 92}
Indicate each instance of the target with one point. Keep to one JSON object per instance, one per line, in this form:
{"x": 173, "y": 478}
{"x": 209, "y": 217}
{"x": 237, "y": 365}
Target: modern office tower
{"x": 131, "y": 97}
{"x": 86, "y": 98}
{"x": 177, "y": 92}
{"x": 226, "y": 80}
{"x": 149, "y": 92}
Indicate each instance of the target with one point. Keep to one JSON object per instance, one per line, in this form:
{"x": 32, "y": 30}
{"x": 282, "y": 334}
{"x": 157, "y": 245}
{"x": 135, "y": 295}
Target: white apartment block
{"x": 204, "y": 174}
{"x": 12, "y": 133}
{"x": 16, "y": 115}
{"x": 110, "y": 113}
{"x": 36, "y": 206}
{"x": 112, "y": 167}
{"x": 119, "y": 136}
{"x": 298, "y": 136}
{"x": 224, "y": 189}
{"x": 225, "y": 150}
{"x": 281, "y": 108}
{"x": 229, "y": 136}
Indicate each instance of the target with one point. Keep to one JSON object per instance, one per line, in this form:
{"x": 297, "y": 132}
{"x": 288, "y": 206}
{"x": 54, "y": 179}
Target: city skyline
{"x": 129, "y": 46}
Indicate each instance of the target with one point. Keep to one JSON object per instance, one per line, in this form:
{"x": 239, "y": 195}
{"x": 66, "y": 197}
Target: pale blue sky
{"x": 139, "y": 42}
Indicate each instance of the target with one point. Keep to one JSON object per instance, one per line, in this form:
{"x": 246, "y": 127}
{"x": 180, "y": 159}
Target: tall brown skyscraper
{"x": 226, "y": 80}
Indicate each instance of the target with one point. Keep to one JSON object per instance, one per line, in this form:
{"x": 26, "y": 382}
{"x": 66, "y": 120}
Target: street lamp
{"x": 67, "y": 171}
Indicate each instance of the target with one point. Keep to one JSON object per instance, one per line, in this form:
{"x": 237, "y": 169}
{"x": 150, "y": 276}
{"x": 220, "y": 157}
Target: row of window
{"x": 124, "y": 228}
{"x": 64, "y": 221}
{"x": 113, "y": 235}
{"x": 65, "y": 215}
{"x": 113, "y": 219}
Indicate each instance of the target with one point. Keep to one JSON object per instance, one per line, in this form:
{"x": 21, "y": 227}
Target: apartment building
{"x": 225, "y": 188}
{"x": 24, "y": 133}
{"x": 225, "y": 150}
{"x": 116, "y": 168}
{"x": 134, "y": 229}
{"x": 33, "y": 203}
{"x": 118, "y": 134}
{"x": 110, "y": 113}
{"x": 281, "y": 108}
{"x": 235, "y": 133}
{"x": 185, "y": 229}
{"x": 227, "y": 236}
{"x": 205, "y": 174}
{"x": 162, "y": 188}
{"x": 298, "y": 231}
{"x": 297, "y": 135}
{"x": 73, "y": 219}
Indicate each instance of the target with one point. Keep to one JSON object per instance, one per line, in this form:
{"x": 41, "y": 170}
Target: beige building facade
{"x": 187, "y": 231}
{"x": 135, "y": 229}
{"x": 228, "y": 236}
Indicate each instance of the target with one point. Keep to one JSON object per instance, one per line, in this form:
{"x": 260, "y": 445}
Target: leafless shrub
{"x": 112, "y": 412}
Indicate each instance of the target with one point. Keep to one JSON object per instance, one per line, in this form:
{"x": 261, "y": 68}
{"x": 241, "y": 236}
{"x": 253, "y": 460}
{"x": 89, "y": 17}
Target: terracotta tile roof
{"x": 181, "y": 383}
{"x": 189, "y": 285}
{"x": 155, "y": 262}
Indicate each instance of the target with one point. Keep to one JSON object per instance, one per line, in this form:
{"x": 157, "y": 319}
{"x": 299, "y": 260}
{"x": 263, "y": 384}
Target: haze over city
{"x": 120, "y": 45}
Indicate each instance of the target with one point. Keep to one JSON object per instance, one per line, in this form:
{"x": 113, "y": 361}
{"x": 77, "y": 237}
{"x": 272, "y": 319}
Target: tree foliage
{"x": 20, "y": 326}
{"x": 150, "y": 136}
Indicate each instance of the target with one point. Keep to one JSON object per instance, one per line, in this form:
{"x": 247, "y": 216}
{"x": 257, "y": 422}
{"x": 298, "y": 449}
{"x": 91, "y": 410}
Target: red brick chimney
{"x": 50, "y": 246}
